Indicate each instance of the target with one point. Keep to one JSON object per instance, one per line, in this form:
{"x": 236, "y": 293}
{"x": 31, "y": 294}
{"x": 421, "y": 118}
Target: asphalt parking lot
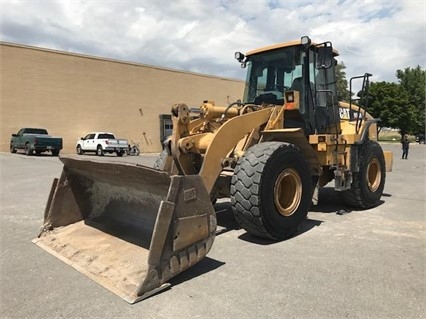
{"x": 363, "y": 264}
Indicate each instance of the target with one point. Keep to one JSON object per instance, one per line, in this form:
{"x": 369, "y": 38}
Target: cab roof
{"x": 282, "y": 45}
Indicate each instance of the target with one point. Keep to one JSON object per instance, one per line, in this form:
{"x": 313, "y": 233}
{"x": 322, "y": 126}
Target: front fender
{"x": 227, "y": 137}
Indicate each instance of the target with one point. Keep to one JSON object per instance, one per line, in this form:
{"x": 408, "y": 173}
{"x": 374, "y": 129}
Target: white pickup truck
{"x": 101, "y": 143}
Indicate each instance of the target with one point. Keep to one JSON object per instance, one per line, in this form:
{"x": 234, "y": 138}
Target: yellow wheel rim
{"x": 287, "y": 192}
{"x": 374, "y": 176}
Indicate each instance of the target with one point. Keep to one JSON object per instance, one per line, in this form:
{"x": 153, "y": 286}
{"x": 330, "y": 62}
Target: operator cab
{"x": 295, "y": 66}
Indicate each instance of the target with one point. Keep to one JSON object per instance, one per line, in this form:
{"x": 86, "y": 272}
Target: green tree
{"x": 342, "y": 82}
{"x": 413, "y": 81}
{"x": 389, "y": 102}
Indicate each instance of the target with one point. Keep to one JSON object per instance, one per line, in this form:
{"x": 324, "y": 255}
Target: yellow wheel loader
{"x": 131, "y": 228}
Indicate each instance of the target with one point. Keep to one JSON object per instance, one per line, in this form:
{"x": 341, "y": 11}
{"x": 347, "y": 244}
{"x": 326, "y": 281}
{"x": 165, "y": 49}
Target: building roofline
{"x": 98, "y": 58}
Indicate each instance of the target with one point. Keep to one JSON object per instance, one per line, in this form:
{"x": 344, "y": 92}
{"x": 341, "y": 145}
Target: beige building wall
{"x": 71, "y": 95}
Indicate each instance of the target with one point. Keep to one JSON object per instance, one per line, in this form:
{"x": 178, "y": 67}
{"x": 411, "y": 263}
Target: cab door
{"x": 20, "y": 143}
{"x": 89, "y": 142}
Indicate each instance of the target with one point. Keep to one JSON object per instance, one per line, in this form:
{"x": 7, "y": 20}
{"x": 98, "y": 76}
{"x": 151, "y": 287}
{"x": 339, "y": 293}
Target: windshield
{"x": 295, "y": 68}
{"x": 106, "y": 136}
{"x": 39, "y": 131}
{"x": 273, "y": 72}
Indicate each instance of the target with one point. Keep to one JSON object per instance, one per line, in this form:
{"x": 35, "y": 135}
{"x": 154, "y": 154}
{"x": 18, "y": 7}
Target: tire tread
{"x": 354, "y": 197}
{"x": 246, "y": 186}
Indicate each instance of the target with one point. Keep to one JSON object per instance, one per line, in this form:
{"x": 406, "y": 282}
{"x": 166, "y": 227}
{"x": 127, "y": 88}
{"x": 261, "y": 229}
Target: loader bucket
{"x": 128, "y": 227}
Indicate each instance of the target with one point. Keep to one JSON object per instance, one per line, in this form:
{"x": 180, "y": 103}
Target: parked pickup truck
{"x": 101, "y": 143}
{"x": 35, "y": 140}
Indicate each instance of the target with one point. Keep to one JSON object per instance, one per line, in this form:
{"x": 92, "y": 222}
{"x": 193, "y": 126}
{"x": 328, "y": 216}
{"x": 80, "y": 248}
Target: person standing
{"x": 405, "y": 146}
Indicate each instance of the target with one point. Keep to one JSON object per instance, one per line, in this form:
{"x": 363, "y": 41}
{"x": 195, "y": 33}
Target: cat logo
{"x": 344, "y": 113}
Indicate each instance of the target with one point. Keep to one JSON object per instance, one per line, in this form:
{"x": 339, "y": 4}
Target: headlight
{"x": 305, "y": 40}
{"x": 239, "y": 56}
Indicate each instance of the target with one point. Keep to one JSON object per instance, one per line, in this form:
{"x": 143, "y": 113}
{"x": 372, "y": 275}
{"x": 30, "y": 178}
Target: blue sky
{"x": 378, "y": 37}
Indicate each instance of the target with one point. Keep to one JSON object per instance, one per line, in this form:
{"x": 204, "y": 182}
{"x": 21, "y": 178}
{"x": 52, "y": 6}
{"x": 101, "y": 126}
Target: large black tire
{"x": 99, "y": 151}
{"x": 55, "y": 152}
{"x": 12, "y": 148}
{"x": 367, "y": 184}
{"x": 271, "y": 190}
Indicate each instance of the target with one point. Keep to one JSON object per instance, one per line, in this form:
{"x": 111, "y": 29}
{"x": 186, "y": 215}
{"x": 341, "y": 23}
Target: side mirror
{"x": 82, "y": 138}
{"x": 15, "y": 135}
{"x": 325, "y": 56}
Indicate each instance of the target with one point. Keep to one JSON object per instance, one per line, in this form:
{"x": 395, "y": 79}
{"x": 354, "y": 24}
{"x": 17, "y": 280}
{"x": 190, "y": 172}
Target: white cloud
{"x": 372, "y": 36}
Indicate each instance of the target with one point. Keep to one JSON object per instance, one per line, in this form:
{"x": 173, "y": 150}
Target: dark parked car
{"x": 420, "y": 138}
{"x": 35, "y": 140}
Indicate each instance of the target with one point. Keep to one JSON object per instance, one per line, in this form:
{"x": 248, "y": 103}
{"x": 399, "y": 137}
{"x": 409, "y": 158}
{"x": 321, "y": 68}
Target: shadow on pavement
{"x": 200, "y": 268}
{"x": 330, "y": 202}
{"x": 304, "y": 227}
